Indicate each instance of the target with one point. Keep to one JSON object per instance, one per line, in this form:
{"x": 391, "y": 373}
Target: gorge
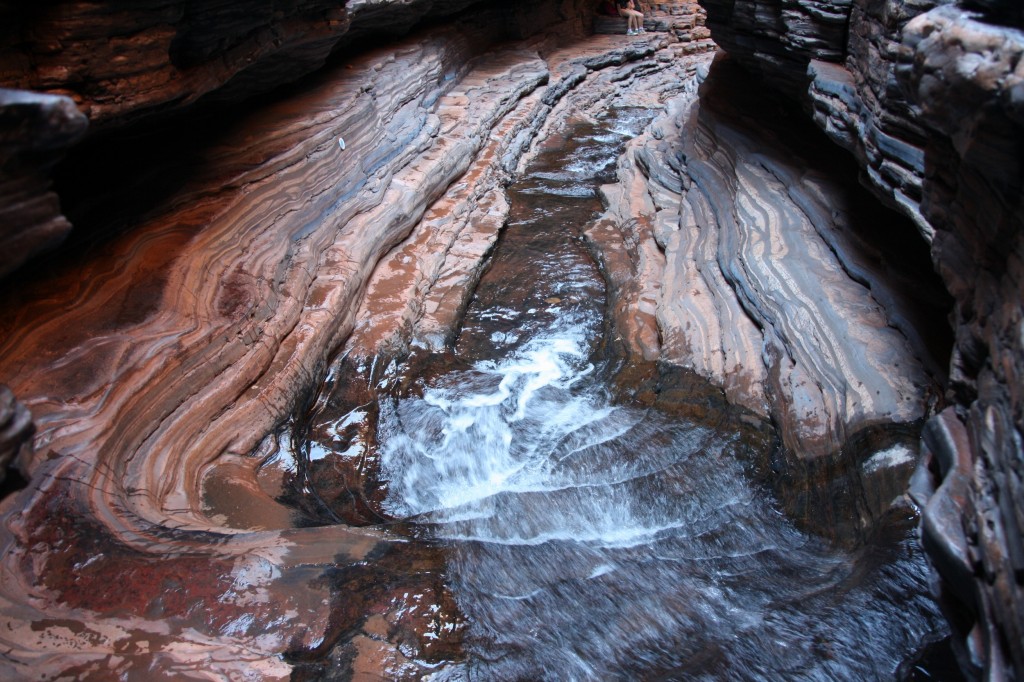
{"x": 452, "y": 340}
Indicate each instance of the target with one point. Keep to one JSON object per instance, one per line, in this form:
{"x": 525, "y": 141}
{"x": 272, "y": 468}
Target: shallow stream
{"x": 589, "y": 537}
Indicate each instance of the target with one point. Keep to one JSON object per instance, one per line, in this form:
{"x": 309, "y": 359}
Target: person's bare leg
{"x": 628, "y": 14}
{"x": 633, "y": 21}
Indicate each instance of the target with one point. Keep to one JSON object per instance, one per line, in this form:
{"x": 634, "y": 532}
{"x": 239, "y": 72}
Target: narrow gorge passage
{"x": 585, "y": 536}
{"x": 475, "y": 340}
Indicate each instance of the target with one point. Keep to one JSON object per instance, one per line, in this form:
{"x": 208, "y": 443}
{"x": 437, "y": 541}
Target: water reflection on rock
{"x": 596, "y": 530}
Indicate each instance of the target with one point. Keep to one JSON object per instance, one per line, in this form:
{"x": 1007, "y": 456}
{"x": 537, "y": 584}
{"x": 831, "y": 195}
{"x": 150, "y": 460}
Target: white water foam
{"x": 577, "y": 525}
{"x": 478, "y": 435}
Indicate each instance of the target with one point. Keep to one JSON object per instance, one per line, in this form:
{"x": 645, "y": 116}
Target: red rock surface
{"x": 156, "y": 366}
{"x": 359, "y": 208}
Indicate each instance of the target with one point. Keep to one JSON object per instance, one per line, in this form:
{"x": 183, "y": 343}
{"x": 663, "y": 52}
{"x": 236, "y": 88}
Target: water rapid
{"x": 590, "y": 539}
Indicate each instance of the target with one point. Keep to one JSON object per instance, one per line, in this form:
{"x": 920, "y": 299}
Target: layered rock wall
{"x": 966, "y": 81}
{"x": 120, "y": 62}
{"x": 740, "y": 248}
{"x": 109, "y": 64}
{"x": 155, "y": 361}
{"x": 927, "y": 97}
{"x": 105, "y": 66}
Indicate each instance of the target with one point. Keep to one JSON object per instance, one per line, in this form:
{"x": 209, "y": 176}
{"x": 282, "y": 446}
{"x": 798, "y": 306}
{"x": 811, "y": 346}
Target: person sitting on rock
{"x": 634, "y": 19}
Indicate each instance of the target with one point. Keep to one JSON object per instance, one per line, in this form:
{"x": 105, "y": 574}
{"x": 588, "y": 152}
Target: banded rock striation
{"x": 740, "y": 249}
{"x": 359, "y": 205}
{"x": 417, "y": 294}
{"x": 113, "y": 65}
{"x": 110, "y": 64}
{"x": 927, "y": 97}
{"x": 154, "y": 363}
{"x": 120, "y": 63}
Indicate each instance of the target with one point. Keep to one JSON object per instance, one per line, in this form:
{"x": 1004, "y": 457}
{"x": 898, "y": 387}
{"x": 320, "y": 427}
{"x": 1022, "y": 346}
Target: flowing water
{"x": 590, "y": 538}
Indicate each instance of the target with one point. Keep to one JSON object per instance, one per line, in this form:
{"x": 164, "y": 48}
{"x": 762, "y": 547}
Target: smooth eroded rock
{"x": 759, "y": 275}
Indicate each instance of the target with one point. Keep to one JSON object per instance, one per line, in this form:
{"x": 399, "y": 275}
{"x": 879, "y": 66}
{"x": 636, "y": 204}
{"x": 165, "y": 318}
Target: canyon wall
{"x": 220, "y": 255}
{"x": 69, "y": 66}
{"x": 928, "y": 97}
{"x": 227, "y": 250}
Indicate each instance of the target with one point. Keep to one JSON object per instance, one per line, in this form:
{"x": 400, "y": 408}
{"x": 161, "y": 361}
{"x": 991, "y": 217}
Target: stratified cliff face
{"x": 157, "y": 360}
{"x": 105, "y": 65}
{"x": 929, "y": 98}
{"x": 966, "y": 78}
{"x": 359, "y": 206}
{"x": 121, "y": 62}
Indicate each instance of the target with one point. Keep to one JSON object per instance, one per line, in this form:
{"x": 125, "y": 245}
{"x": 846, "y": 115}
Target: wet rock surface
{"x": 233, "y": 253}
{"x": 599, "y": 530}
{"x": 199, "y": 322}
{"x": 922, "y": 94}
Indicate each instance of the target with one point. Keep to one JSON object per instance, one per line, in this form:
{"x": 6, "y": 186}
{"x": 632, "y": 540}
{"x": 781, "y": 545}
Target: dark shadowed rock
{"x": 964, "y": 78}
{"x": 16, "y": 430}
{"x": 35, "y": 132}
{"x": 119, "y": 61}
{"x": 928, "y": 97}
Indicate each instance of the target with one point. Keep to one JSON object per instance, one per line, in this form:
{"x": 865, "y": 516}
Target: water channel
{"x": 588, "y": 536}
